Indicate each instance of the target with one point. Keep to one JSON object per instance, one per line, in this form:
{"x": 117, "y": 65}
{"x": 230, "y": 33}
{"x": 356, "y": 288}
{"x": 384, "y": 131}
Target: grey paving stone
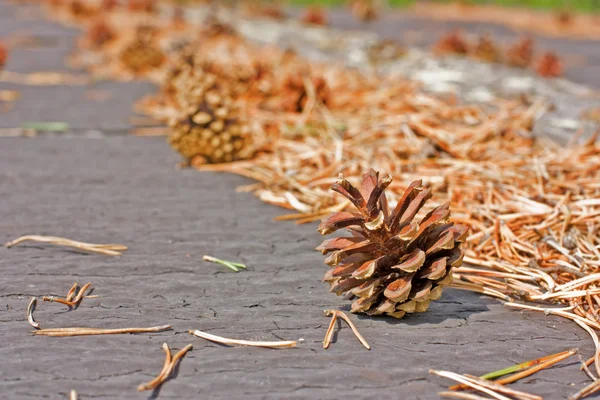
{"x": 116, "y": 188}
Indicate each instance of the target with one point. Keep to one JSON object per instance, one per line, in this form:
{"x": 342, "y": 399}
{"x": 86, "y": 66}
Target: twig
{"x": 107, "y": 249}
{"x": 334, "y": 315}
{"x": 30, "y": 309}
{"x": 229, "y": 264}
{"x": 65, "y": 332}
{"x": 167, "y": 369}
{"x": 236, "y": 342}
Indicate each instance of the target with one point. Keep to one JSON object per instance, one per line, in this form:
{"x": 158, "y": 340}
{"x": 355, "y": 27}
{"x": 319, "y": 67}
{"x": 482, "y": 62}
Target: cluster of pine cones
{"x": 519, "y": 55}
{"x": 214, "y": 86}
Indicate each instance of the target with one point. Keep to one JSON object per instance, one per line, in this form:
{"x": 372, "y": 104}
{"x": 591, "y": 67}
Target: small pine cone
{"x": 141, "y": 56}
{"x": 211, "y": 130}
{"x": 392, "y": 264}
{"x": 549, "y": 66}
{"x": 3, "y": 55}
{"x": 452, "y": 43}
{"x": 486, "y": 50}
{"x": 564, "y": 18}
{"x": 521, "y": 53}
{"x": 315, "y": 16}
{"x": 364, "y": 10}
{"x": 100, "y": 34}
{"x": 81, "y": 10}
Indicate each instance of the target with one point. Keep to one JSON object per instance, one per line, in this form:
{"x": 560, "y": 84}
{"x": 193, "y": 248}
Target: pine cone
{"x": 364, "y": 10}
{"x": 3, "y": 55}
{"x": 452, "y": 43}
{"x": 314, "y": 15}
{"x": 100, "y": 34}
{"x": 392, "y": 263}
{"x": 141, "y": 56}
{"x": 486, "y": 50}
{"x": 211, "y": 130}
{"x": 549, "y": 66}
{"x": 79, "y": 9}
{"x": 521, "y": 53}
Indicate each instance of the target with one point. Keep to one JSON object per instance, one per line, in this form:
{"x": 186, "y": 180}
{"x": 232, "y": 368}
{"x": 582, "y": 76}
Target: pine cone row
{"x": 393, "y": 263}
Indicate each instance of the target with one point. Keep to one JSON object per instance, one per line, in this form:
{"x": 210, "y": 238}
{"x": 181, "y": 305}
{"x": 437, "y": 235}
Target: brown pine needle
{"x": 71, "y": 292}
{"x": 334, "y": 315}
{"x": 467, "y": 382}
{"x": 82, "y": 291}
{"x": 237, "y": 342}
{"x": 586, "y": 391}
{"x": 167, "y": 369}
{"x": 73, "y": 395}
{"x": 156, "y": 381}
{"x": 30, "y": 309}
{"x": 107, "y": 249}
{"x": 329, "y": 333}
{"x": 534, "y": 369}
{"x": 589, "y": 361}
{"x": 585, "y": 369}
{"x": 66, "y": 332}
{"x": 69, "y": 300}
{"x": 491, "y": 388}
{"x": 461, "y": 395}
{"x": 530, "y": 368}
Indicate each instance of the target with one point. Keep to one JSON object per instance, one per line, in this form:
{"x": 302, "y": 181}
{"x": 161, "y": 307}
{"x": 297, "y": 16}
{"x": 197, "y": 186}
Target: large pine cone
{"x": 392, "y": 263}
{"x": 211, "y": 129}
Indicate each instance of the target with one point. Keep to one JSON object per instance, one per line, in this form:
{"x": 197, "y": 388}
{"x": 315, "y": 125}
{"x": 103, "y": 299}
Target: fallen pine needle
{"x": 107, "y": 249}
{"x": 586, "y": 391}
{"x": 46, "y": 126}
{"x": 530, "y": 368}
{"x": 491, "y": 388}
{"x": 229, "y": 264}
{"x": 329, "y": 334}
{"x": 65, "y": 332}
{"x": 237, "y": 342}
{"x": 30, "y": 309}
{"x": 73, "y": 298}
{"x": 461, "y": 395}
{"x": 167, "y": 368}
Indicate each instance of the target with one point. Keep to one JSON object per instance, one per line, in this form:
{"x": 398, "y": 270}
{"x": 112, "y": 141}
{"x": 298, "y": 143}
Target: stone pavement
{"x": 95, "y": 183}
